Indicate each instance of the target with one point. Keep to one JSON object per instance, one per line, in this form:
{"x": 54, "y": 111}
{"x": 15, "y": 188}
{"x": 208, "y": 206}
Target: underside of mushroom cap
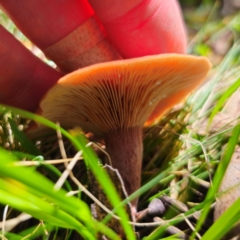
{"x": 124, "y": 93}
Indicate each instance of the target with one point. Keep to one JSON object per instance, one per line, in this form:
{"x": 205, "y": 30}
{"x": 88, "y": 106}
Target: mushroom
{"x": 114, "y": 100}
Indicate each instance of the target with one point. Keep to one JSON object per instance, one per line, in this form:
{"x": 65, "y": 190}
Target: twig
{"x": 45, "y": 162}
{"x": 68, "y": 169}
{"x": 4, "y": 219}
{"x": 7, "y": 225}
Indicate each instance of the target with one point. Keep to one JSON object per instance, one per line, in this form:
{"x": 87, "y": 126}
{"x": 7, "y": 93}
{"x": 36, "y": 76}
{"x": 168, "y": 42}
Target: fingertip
{"x": 147, "y": 26}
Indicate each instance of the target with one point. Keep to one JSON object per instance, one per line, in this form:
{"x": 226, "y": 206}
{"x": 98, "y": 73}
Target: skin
{"x": 135, "y": 28}
{"x": 24, "y": 79}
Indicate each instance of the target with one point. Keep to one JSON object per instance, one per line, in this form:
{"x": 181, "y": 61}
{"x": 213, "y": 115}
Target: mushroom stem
{"x": 125, "y": 149}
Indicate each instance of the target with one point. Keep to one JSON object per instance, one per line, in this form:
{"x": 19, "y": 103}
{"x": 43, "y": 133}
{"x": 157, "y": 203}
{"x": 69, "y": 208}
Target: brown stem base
{"x": 125, "y": 149}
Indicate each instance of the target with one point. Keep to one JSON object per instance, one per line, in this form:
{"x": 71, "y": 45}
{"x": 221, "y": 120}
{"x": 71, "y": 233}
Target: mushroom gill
{"x": 114, "y": 100}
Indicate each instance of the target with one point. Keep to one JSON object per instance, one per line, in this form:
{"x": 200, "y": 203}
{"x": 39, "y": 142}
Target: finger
{"x": 67, "y": 31}
{"x": 46, "y": 22}
{"x": 24, "y": 78}
{"x": 142, "y": 27}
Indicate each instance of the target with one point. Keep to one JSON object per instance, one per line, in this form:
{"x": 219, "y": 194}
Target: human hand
{"x": 130, "y": 28}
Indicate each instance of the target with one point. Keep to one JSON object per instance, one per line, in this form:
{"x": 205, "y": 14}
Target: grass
{"x": 185, "y": 157}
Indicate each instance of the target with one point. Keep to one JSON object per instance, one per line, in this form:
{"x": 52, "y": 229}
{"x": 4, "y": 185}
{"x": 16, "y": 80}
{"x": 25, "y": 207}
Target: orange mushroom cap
{"x": 123, "y": 93}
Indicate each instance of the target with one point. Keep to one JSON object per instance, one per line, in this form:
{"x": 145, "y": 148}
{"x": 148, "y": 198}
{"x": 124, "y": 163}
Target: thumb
{"x": 142, "y": 27}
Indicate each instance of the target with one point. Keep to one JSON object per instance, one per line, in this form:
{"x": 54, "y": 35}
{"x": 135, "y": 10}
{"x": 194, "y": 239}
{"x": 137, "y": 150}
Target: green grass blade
{"x": 233, "y": 141}
{"x": 106, "y": 183}
{"x": 200, "y": 98}
{"x": 92, "y": 161}
{"x": 39, "y": 183}
{"x": 22, "y": 138}
{"x": 223, "y": 99}
{"x": 228, "y": 219}
{"x": 13, "y": 236}
{"x": 28, "y": 179}
{"x": 18, "y": 202}
{"x": 36, "y": 231}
